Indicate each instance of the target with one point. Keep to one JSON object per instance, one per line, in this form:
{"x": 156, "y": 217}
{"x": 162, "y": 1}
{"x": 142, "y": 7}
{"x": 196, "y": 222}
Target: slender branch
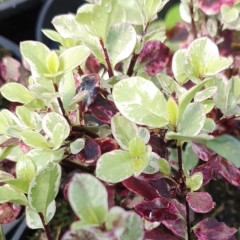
{"x": 135, "y": 56}
{"x": 109, "y": 66}
{"x": 46, "y": 228}
{"x": 182, "y": 180}
{"x": 2, "y": 235}
{"x": 194, "y": 28}
{"x": 61, "y": 105}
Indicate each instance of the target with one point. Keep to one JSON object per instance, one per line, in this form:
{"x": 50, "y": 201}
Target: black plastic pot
{"x": 11, "y": 46}
{"x": 50, "y": 9}
{"x": 12, "y": 7}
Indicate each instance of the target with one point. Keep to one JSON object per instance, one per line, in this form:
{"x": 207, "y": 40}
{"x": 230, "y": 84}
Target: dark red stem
{"x": 182, "y": 181}
{"x": 46, "y": 228}
{"x": 109, "y": 66}
{"x": 61, "y": 105}
{"x": 80, "y": 71}
{"x": 194, "y": 28}
{"x": 134, "y": 58}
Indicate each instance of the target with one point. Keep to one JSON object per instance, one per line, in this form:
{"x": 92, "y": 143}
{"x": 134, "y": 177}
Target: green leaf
{"x": 136, "y": 147}
{"x": 140, "y": 106}
{"x": 172, "y": 111}
{"x": 34, "y": 139}
{"x": 4, "y": 176}
{"x": 144, "y": 134}
{"x": 25, "y": 169}
{"x": 52, "y": 62}
{"x": 53, "y": 35}
{"x": 188, "y": 96}
{"x": 153, "y": 164}
{"x": 77, "y": 145}
{"x": 50, "y": 120}
{"x": 121, "y": 41}
{"x": 35, "y": 104}
{"x": 179, "y": 65}
{"x": 204, "y": 58}
{"x": 16, "y": 92}
{"x": 194, "y": 182}
{"x": 67, "y": 88}
{"x": 187, "y": 138}
{"x": 134, "y": 227}
{"x": 25, "y": 115}
{"x": 88, "y": 198}
{"x": 164, "y": 167}
{"x": 35, "y": 54}
{"x": 44, "y": 188}
{"x": 34, "y": 221}
{"x": 195, "y": 113}
{"x": 19, "y": 184}
{"x": 58, "y": 136}
{"x": 9, "y": 194}
{"x": 209, "y": 125}
{"x": 205, "y": 94}
{"x": 172, "y": 16}
{"x": 190, "y": 159}
{"x": 227, "y": 146}
{"x": 229, "y": 13}
{"x": 115, "y": 166}
{"x": 123, "y": 130}
{"x": 73, "y": 57}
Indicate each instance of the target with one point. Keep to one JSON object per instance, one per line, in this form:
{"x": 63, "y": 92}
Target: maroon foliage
{"x": 155, "y": 57}
{"x": 103, "y": 109}
{"x": 107, "y": 144}
{"x": 157, "y": 210}
{"x": 179, "y": 33}
{"x": 92, "y": 65}
{"x": 141, "y": 187}
{"x": 90, "y": 153}
{"x": 159, "y": 145}
{"x": 211, "y": 229}
{"x": 200, "y": 202}
{"x": 159, "y": 233}
{"x": 9, "y": 212}
{"x": 8, "y": 166}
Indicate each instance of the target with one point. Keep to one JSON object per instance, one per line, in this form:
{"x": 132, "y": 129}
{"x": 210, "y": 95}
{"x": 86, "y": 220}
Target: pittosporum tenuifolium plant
{"x": 118, "y": 117}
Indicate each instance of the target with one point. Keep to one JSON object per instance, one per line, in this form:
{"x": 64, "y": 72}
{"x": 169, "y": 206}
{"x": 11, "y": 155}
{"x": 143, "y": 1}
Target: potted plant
{"x": 122, "y": 129}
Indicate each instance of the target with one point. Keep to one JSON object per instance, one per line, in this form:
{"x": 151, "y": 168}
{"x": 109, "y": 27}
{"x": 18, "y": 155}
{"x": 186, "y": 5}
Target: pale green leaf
{"x": 34, "y": 139}
{"x": 121, "y": 41}
{"x": 88, "y": 198}
{"x": 44, "y": 188}
{"x": 153, "y": 164}
{"x": 209, "y": 125}
{"x": 34, "y": 221}
{"x": 140, "y": 106}
{"x": 115, "y": 166}
{"x": 53, "y": 35}
{"x": 164, "y": 166}
{"x": 123, "y": 130}
{"x": 52, "y": 62}
{"x": 16, "y": 92}
{"x": 9, "y": 194}
{"x": 58, "y": 136}
{"x": 35, "y": 53}
{"x": 136, "y": 147}
{"x": 229, "y": 13}
{"x": 187, "y": 138}
{"x": 50, "y": 120}
{"x": 205, "y": 94}
{"x": 77, "y": 145}
{"x": 217, "y": 65}
{"x": 172, "y": 108}
{"x": 73, "y": 57}
{"x": 190, "y": 159}
{"x": 179, "y": 64}
{"x": 26, "y": 116}
{"x": 25, "y": 169}
{"x": 194, "y": 182}
{"x": 144, "y": 134}
{"x": 195, "y": 113}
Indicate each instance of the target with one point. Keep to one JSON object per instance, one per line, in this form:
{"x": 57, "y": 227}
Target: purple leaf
{"x": 90, "y": 84}
{"x": 159, "y": 233}
{"x": 155, "y": 57}
{"x": 143, "y": 188}
{"x": 178, "y": 33}
{"x": 159, "y": 145}
{"x": 103, "y": 109}
{"x": 107, "y": 144}
{"x": 9, "y": 212}
{"x": 212, "y": 7}
{"x": 211, "y": 229}
{"x": 90, "y": 153}
{"x": 92, "y": 65}
{"x": 202, "y": 151}
{"x": 178, "y": 226}
{"x": 200, "y": 202}
{"x": 157, "y": 210}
